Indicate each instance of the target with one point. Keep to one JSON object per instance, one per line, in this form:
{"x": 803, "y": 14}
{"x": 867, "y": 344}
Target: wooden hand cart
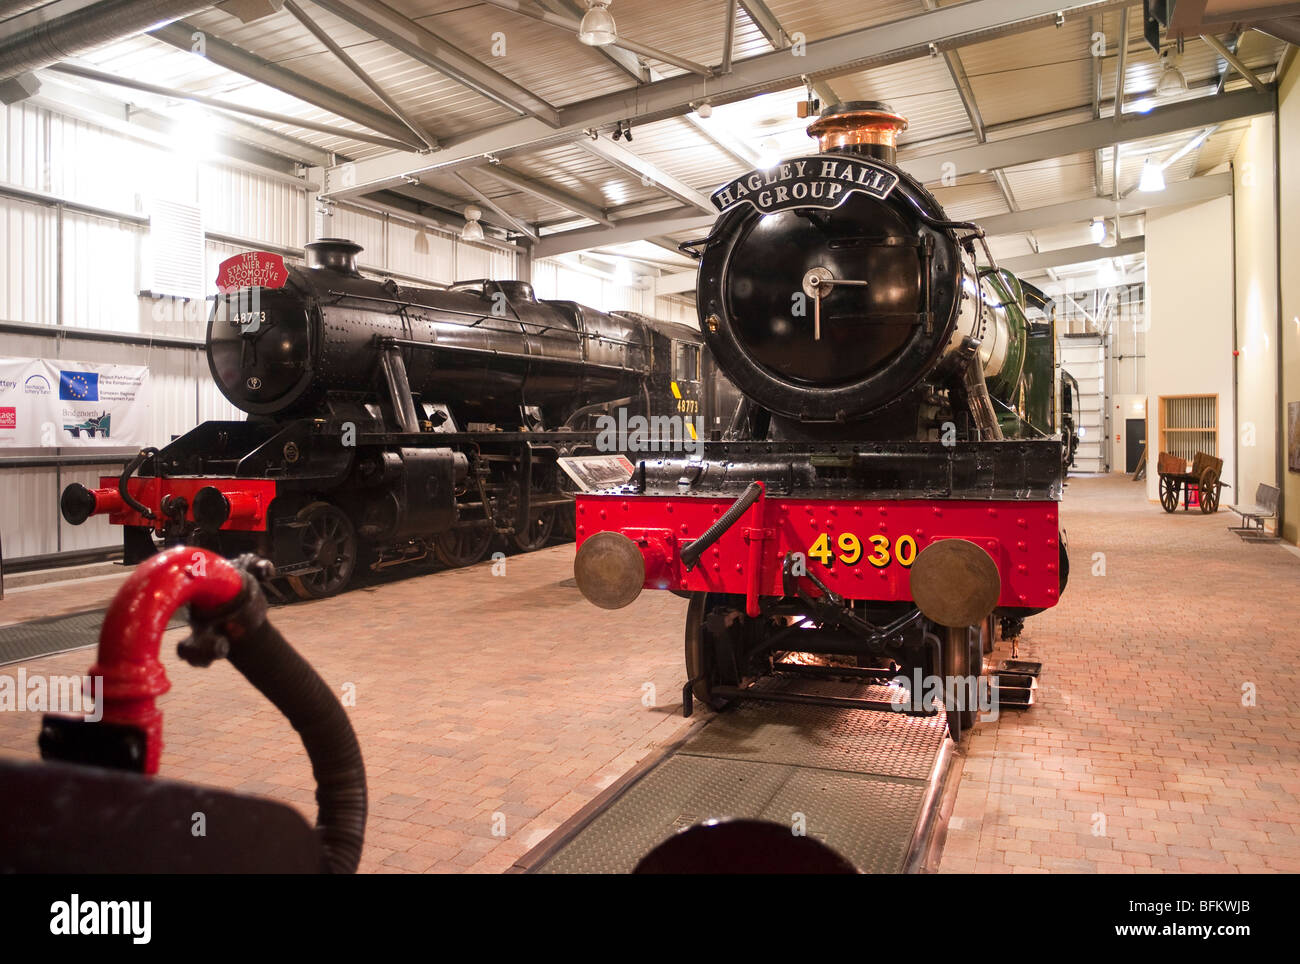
{"x": 1198, "y": 486}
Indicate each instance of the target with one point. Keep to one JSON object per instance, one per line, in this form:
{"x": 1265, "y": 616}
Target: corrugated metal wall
{"x": 104, "y": 271}
{"x": 553, "y": 278}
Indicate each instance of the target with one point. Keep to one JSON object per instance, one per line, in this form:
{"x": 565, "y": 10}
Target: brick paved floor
{"x": 476, "y": 695}
{"x": 479, "y": 695}
{"x": 1140, "y": 756}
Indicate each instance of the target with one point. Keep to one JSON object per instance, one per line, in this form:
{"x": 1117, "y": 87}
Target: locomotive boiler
{"x": 889, "y": 487}
{"x": 388, "y": 423}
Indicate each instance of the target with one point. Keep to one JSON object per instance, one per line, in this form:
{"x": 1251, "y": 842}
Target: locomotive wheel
{"x": 957, "y": 662}
{"x": 463, "y": 546}
{"x": 1168, "y": 493}
{"x": 1209, "y": 487}
{"x": 539, "y": 531}
{"x": 701, "y": 652}
{"x": 331, "y": 542}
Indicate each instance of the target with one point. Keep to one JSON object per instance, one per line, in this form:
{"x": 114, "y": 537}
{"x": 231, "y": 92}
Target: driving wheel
{"x": 329, "y": 541}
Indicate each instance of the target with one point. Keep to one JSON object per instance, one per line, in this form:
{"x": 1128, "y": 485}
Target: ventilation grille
{"x": 1189, "y": 424}
{"x": 176, "y": 254}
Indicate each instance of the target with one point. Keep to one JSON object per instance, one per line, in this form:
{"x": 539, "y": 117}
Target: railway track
{"x": 870, "y": 785}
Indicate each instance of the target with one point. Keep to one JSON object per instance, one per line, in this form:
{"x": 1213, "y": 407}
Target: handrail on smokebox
{"x": 228, "y": 619}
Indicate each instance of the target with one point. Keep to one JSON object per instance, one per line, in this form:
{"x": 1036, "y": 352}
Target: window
{"x": 686, "y": 362}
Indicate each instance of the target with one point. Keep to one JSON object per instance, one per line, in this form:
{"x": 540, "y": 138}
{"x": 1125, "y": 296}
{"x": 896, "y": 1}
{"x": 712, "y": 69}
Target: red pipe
{"x": 243, "y": 505}
{"x": 130, "y": 639}
{"x": 107, "y": 500}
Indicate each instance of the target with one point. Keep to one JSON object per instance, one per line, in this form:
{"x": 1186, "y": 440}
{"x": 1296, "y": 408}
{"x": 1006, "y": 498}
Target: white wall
{"x": 1254, "y": 196}
{"x": 1190, "y": 311}
{"x": 105, "y": 265}
{"x": 553, "y": 278}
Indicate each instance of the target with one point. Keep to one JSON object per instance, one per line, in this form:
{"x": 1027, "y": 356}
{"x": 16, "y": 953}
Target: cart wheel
{"x": 462, "y": 546}
{"x": 330, "y": 541}
{"x": 1168, "y": 493}
{"x": 1209, "y": 491}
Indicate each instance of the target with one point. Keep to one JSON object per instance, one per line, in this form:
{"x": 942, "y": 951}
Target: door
{"x": 1135, "y": 436}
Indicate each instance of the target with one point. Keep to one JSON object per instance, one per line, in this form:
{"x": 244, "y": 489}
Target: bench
{"x": 1254, "y": 517}
{"x": 1198, "y": 486}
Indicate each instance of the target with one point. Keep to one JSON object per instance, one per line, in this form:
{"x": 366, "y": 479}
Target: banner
{"x": 70, "y": 404}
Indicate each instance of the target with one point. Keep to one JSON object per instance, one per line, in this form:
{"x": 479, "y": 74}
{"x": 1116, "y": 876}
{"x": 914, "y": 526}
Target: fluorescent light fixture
{"x": 1153, "y": 177}
{"x": 597, "y": 28}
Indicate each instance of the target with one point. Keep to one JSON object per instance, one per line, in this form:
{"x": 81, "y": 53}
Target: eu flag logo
{"x": 79, "y": 386}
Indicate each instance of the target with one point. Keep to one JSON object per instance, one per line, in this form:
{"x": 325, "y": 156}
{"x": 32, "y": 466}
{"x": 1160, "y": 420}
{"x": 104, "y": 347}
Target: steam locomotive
{"x": 391, "y": 424}
{"x": 889, "y": 487}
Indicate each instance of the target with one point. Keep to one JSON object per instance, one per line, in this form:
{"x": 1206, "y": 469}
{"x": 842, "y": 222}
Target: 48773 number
{"x": 850, "y": 550}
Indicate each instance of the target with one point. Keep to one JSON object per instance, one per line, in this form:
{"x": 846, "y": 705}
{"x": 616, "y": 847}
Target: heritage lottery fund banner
{"x": 70, "y": 404}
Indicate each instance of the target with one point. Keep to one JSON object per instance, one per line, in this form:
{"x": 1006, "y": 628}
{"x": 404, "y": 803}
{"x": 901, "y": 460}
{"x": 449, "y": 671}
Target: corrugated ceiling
{"x": 1038, "y": 80}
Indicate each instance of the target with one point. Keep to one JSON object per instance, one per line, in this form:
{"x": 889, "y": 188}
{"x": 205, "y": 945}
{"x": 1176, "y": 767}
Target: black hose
{"x": 128, "y": 471}
{"x": 691, "y": 553}
{"x": 279, "y": 672}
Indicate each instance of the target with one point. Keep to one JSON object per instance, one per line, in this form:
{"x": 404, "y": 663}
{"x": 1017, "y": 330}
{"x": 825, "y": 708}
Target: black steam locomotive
{"x": 875, "y": 504}
{"x": 391, "y": 424}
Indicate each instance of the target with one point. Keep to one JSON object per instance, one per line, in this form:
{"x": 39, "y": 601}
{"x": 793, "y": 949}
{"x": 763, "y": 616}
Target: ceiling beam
{"x": 240, "y": 61}
{"x": 422, "y": 194}
{"x": 905, "y": 39}
{"x": 519, "y": 225}
{"x": 546, "y": 192}
{"x": 570, "y": 25}
{"x": 1191, "y": 191}
{"x": 1234, "y": 61}
{"x": 629, "y": 229}
{"x": 1089, "y": 135}
{"x": 644, "y": 227}
{"x": 427, "y": 139}
{"x": 426, "y": 47}
{"x": 734, "y": 147}
{"x": 1062, "y": 257}
{"x": 671, "y": 284}
{"x": 770, "y": 27}
{"x": 98, "y": 76}
{"x": 633, "y": 163}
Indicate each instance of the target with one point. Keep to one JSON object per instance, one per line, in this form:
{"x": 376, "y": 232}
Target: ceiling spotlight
{"x": 1153, "y": 177}
{"x": 1172, "y": 79}
{"x": 704, "y": 110}
{"x": 597, "y": 28}
{"x": 1097, "y": 230}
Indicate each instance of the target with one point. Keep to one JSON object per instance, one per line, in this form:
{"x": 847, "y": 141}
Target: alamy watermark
{"x": 36, "y": 693}
{"x": 654, "y": 433}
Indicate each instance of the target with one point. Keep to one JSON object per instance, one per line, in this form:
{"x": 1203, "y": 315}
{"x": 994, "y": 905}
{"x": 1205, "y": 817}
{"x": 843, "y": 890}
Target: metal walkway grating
{"x": 57, "y": 634}
{"x": 861, "y": 781}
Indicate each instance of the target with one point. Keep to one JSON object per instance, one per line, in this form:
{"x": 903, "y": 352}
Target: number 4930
{"x": 851, "y": 550}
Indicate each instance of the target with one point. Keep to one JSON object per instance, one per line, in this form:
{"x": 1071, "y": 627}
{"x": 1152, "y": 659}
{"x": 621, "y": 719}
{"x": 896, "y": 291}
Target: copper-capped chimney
{"x": 866, "y": 127}
{"x": 334, "y": 254}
